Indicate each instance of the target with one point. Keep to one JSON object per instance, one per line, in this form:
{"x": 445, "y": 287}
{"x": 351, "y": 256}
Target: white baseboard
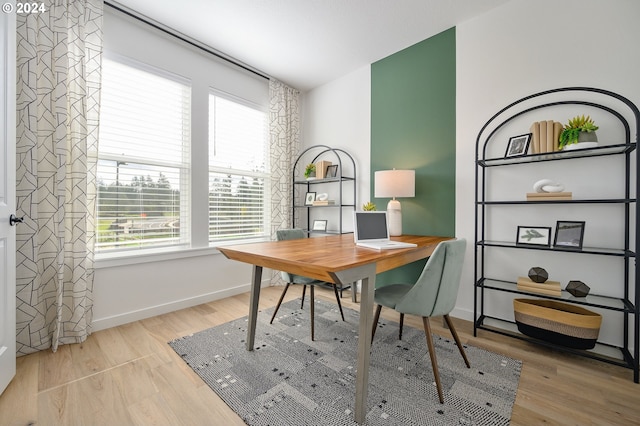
{"x": 464, "y": 314}
{"x": 151, "y": 311}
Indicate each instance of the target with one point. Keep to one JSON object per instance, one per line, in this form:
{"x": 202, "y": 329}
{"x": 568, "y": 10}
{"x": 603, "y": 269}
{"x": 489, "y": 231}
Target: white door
{"x": 7, "y": 193}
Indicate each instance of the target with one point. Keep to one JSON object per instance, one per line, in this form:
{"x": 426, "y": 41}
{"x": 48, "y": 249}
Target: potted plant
{"x": 578, "y": 133}
{"x": 369, "y": 207}
{"x": 310, "y": 171}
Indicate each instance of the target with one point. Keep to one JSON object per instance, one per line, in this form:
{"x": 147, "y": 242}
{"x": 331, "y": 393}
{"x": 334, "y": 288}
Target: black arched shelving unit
{"x": 627, "y": 115}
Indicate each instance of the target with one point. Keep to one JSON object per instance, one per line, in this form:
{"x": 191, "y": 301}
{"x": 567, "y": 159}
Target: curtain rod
{"x": 170, "y": 31}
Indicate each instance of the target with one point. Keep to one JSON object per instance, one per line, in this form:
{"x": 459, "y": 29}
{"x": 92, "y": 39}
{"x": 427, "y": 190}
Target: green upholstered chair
{"x": 295, "y": 234}
{"x": 434, "y": 294}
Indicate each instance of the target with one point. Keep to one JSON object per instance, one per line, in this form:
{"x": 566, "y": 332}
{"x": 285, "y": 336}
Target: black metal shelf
{"x": 560, "y": 155}
{"x": 338, "y": 157}
{"x": 591, "y": 201}
{"x": 346, "y": 164}
{"x": 601, "y": 251}
{"x": 324, "y": 206}
{"x": 593, "y": 300}
{"x": 323, "y": 180}
{"x": 627, "y": 306}
{"x": 611, "y": 354}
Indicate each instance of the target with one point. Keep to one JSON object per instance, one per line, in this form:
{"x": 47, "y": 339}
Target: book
{"x": 557, "y": 129}
{"x": 526, "y": 281}
{"x": 545, "y": 291}
{"x": 323, "y": 202}
{"x": 535, "y": 139}
{"x": 321, "y": 169}
{"x": 542, "y": 142}
{"x": 545, "y": 196}
{"x": 550, "y": 145}
{"x": 549, "y": 288}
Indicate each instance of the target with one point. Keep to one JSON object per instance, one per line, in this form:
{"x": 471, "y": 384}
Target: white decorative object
{"x": 395, "y": 183}
{"x": 547, "y": 185}
{"x": 553, "y": 188}
{"x": 323, "y": 196}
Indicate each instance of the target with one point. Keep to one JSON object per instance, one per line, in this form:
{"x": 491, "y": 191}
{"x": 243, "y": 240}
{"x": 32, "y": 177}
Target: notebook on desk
{"x": 371, "y": 231}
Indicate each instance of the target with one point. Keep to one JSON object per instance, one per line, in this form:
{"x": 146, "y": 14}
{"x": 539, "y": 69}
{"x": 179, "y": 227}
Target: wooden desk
{"x": 334, "y": 259}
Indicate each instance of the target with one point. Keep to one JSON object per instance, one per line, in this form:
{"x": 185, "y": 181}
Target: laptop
{"x": 371, "y": 231}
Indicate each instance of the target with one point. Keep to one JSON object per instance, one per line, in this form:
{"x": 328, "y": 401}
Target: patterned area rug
{"x": 290, "y": 380}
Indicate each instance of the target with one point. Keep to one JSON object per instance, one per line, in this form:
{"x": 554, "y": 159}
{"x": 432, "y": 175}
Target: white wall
{"x": 142, "y": 286}
{"x": 522, "y": 48}
{"x": 338, "y": 114}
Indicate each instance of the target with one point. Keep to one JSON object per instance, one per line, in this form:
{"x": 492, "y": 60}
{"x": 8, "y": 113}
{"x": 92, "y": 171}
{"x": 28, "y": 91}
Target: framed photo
{"x": 518, "y": 145}
{"x": 319, "y": 225}
{"x": 332, "y": 171}
{"x": 309, "y": 198}
{"x": 569, "y": 234}
{"x": 534, "y": 236}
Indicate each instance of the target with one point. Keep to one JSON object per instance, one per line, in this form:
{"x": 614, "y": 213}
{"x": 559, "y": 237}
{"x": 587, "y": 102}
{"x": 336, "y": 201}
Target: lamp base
{"x": 394, "y": 215}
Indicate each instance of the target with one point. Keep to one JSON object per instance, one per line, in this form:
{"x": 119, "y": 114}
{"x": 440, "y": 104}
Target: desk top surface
{"x": 318, "y": 257}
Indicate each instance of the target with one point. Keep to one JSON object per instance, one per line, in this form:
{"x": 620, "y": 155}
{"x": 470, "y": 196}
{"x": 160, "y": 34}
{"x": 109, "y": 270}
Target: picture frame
{"x": 534, "y": 236}
{"x": 332, "y": 171}
{"x": 319, "y": 225}
{"x": 569, "y": 234}
{"x": 309, "y": 198}
{"x": 518, "y": 145}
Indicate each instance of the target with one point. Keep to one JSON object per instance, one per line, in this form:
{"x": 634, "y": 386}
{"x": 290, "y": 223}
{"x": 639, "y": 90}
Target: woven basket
{"x": 560, "y": 323}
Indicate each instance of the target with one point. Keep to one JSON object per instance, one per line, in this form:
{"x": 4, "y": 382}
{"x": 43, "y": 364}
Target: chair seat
{"x": 299, "y": 279}
{"x": 389, "y": 295}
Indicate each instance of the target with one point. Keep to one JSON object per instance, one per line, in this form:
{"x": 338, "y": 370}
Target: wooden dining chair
{"x": 434, "y": 294}
{"x": 294, "y": 234}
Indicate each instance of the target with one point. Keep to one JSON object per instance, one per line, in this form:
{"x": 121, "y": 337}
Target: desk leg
{"x": 368, "y": 275}
{"x": 364, "y": 347}
{"x": 256, "y": 280}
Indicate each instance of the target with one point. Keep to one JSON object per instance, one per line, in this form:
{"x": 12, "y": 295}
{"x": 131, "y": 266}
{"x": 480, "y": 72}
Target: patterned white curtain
{"x": 58, "y": 85}
{"x": 284, "y": 131}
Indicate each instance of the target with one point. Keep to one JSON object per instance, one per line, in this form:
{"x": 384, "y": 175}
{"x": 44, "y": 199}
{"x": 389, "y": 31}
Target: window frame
{"x": 198, "y": 174}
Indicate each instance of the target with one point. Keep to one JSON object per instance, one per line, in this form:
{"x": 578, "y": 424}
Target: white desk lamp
{"x": 395, "y": 183}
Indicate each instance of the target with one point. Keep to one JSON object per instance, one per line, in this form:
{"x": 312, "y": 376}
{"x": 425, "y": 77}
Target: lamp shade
{"x": 395, "y": 183}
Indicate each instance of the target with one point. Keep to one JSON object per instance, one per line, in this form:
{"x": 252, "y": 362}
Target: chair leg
{"x": 401, "y": 324}
{"x": 304, "y": 290}
{"x": 335, "y": 290}
{"x": 279, "y": 302}
{"x": 432, "y": 354}
{"x": 455, "y": 337}
{"x": 376, "y": 317}
{"x": 313, "y": 303}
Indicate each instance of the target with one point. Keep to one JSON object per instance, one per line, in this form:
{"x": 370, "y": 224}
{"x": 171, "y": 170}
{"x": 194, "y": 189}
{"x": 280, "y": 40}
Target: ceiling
{"x": 307, "y": 43}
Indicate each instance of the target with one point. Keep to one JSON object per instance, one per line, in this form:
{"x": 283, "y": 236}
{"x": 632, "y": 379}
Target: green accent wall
{"x": 413, "y": 126}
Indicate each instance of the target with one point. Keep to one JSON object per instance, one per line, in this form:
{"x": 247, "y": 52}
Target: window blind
{"x": 238, "y": 169}
{"x": 143, "y": 159}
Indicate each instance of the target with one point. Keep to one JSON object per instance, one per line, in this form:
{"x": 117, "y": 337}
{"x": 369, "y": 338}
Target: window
{"x": 238, "y": 169}
{"x": 144, "y": 159}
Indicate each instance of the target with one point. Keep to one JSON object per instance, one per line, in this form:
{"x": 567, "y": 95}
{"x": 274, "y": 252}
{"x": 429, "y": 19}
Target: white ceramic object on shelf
{"x": 323, "y": 196}
{"x": 547, "y": 185}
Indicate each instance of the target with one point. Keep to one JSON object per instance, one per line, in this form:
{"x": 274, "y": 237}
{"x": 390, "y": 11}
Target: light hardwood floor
{"x": 128, "y": 375}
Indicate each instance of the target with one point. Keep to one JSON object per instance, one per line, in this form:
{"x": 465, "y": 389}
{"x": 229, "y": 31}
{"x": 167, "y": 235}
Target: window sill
{"x": 134, "y": 257}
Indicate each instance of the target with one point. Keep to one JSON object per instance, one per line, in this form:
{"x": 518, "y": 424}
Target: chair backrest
{"x": 289, "y": 234}
{"x": 436, "y": 290}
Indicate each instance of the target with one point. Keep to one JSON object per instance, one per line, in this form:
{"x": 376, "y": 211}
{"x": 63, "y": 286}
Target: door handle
{"x": 13, "y": 219}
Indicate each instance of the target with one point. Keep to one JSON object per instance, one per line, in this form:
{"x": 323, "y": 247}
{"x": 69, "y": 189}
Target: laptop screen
{"x": 370, "y": 226}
